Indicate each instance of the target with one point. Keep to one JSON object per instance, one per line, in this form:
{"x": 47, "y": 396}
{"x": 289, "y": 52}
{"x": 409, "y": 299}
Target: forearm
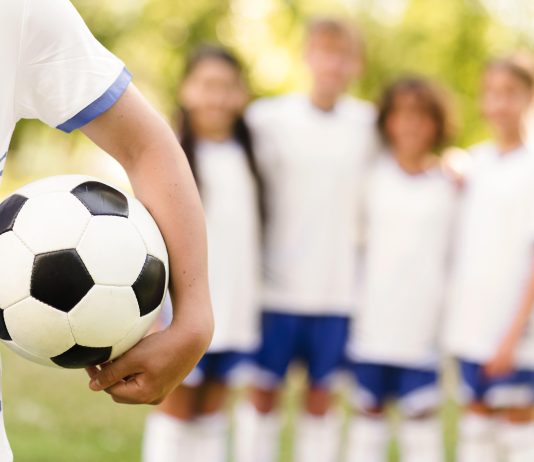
{"x": 523, "y": 315}
{"x": 161, "y": 178}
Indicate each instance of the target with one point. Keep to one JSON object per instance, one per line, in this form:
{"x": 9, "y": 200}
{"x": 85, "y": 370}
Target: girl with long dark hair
{"x": 190, "y": 424}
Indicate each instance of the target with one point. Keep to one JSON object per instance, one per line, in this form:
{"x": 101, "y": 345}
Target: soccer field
{"x": 51, "y": 416}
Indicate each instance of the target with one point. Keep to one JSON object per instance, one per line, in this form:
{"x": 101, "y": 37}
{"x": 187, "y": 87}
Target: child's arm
{"x": 503, "y": 361}
{"x": 133, "y": 133}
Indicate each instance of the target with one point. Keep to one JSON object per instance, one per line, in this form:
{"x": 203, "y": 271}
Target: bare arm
{"x": 136, "y": 135}
{"x": 503, "y": 361}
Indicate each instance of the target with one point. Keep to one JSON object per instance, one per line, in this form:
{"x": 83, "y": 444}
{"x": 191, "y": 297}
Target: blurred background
{"x": 51, "y": 415}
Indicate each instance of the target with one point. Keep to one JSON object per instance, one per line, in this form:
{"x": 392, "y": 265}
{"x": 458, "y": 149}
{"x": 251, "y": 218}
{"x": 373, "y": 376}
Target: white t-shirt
{"x": 408, "y": 221}
{"x": 230, "y": 203}
{"x": 493, "y": 256}
{"x": 313, "y": 162}
{"x": 54, "y": 70}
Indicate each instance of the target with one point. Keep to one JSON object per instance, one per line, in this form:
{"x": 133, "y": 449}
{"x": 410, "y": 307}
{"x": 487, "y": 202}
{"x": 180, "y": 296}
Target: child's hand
{"x": 503, "y": 361}
{"x": 154, "y": 367}
{"x": 455, "y": 163}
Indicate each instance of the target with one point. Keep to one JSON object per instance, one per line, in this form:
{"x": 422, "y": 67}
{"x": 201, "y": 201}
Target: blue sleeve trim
{"x": 100, "y": 105}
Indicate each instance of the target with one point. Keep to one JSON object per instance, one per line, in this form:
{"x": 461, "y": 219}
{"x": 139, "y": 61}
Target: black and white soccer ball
{"x": 83, "y": 271}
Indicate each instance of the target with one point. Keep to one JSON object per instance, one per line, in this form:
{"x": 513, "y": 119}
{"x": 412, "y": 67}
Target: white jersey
{"x": 313, "y": 163}
{"x": 408, "y": 222}
{"x": 230, "y": 203}
{"x": 493, "y": 256}
{"x": 54, "y": 70}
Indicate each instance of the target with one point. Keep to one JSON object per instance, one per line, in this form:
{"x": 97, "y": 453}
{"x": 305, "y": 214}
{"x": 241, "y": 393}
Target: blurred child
{"x": 312, "y": 149}
{"x": 190, "y": 425}
{"x": 408, "y": 214}
{"x": 489, "y": 328}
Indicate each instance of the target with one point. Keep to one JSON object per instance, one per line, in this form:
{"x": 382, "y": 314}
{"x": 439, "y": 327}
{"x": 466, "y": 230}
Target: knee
{"x": 518, "y": 415}
{"x": 264, "y": 401}
{"x": 318, "y": 401}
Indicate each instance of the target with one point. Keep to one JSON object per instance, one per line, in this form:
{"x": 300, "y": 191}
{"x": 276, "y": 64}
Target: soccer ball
{"x": 83, "y": 271}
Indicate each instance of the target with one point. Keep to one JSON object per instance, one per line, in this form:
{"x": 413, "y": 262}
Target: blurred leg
{"x": 318, "y": 434}
{"x": 212, "y": 426}
{"x": 516, "y": 434}
{"x": 368, "y": 438}
{"x": 170, "y": 432}
{"x": 257, "y": 427}
{"x": 419, "y": 398}
{"x": 476, "y": 440}
{"x": 369, "y": 433}
{"x": 421, "y": 440}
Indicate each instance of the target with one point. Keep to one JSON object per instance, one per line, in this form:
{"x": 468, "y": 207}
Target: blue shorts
{"x": 417, "y": 391}
{"x": 513, "y": 390}
{"x": 217, "y": 366}
{"x": 316, "y": 341}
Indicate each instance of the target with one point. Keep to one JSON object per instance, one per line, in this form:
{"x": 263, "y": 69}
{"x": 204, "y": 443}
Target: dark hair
{"x": 241, "y": 131}
{"x": 431, "y": 98}
{"x": 515, "y": 66}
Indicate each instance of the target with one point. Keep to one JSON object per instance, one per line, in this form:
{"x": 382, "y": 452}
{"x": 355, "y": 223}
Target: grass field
{"x": 51, "y": 416}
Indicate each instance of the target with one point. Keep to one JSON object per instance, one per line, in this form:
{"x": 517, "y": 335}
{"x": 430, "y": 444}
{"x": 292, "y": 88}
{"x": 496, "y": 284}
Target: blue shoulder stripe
{"x": 100, "y": 105}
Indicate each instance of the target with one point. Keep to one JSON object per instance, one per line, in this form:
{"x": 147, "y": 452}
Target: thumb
{"x": 110, "y": 374}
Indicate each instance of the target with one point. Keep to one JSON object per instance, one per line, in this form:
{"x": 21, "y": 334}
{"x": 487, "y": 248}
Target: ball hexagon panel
{"x": 101, "y": 199}
{"x": 112, "y": 251}
{"x": 133, "y": 337}
{"x": 104, "y": 316}
{"x": 148, "y": 229}
{"x": 38, "y": 329}
{"x": 9, "y": 210}
{"x": 151, "y": 284}
{"x": 60, "y": 279}
{"x": 16, "y": 263}
{"x": 81, "y": 356}
{"x": 63, "y": 219}
{"x": 22, "y": 352}
{"x": 61, "y": 183}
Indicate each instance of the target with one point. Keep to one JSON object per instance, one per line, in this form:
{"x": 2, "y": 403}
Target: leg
{"x": 169, "y": 431}
{"x": 318, "y": 430}
{"x": 257, "y": 427}
{"x": 369, "y": 432}
{"x": 257, "y": 421}
{"x": 420, "y": 437}
{"x": 516, "y": 434}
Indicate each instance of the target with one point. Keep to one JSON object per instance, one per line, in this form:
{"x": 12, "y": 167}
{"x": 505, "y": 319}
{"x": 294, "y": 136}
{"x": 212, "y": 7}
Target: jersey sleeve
{"x": 260, "y": 117}
{"x": 65, "y": 77}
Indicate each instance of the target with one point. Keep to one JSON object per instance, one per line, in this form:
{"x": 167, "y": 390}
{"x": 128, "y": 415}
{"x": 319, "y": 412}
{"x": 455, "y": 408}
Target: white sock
{"x": 517, "y": 441}
{"x": 256, "y": 434}
{"x": 368, "y": 440}
{"x": 421, "y": 441}
{"x": 168, "y": 439}
{"x": 477, "y": 439}
{"x": 211, "y": 438}
{"x": 317, "y": 439}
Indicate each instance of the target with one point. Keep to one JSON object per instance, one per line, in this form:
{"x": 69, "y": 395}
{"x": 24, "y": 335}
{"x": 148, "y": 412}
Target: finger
{"x": 111, "y": 375}
{"x": 129, "y": 392}
{"x": 92, "y": 371}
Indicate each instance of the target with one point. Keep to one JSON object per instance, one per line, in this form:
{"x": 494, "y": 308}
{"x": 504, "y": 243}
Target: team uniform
{"x": 53, "y": 70}
{"x": 230, "y": 203}
{"x": 493, "y": 261}
{"x": 312, "y": 162}
{"x": 408, "y": 222}
{"x": 492, "y": 265}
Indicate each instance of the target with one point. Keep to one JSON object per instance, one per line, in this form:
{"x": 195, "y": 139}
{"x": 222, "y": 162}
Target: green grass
{"x": 52, "y": 416}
